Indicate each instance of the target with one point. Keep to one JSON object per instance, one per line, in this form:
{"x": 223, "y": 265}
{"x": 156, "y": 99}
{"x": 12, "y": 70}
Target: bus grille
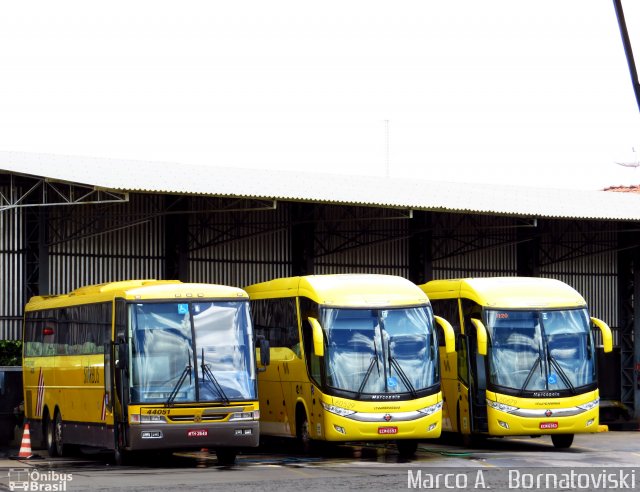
{"x": 204, "y": 418}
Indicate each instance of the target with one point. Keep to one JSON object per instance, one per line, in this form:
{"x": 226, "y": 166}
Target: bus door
{"x": 120, "y": 380}
{"x": 108, "y": 378}
{"x": 476, "y": 380}
{"x": 463, "y": 411}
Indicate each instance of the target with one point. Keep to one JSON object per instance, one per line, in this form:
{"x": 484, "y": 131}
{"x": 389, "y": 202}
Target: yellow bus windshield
{"x": 380, "y": 351}
{"x": 540, "y": 351}
{"x": 191, "y": 351}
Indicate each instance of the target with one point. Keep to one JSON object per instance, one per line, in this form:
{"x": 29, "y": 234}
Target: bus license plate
{"x": 387, "y": 430}
{"x": 198, "y": 433}
{"x": 548, "y": 425}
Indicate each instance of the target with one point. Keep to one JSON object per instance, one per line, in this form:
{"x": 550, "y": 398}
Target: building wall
{"x": 91, "y": 244}
{"x": 11, "y": 272}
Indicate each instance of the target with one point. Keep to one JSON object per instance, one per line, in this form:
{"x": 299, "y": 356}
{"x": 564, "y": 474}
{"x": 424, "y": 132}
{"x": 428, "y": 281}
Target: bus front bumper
{"x": 339, "y": 428}
{"x": 194, "y": 436}
{"x": 505, "y": 424}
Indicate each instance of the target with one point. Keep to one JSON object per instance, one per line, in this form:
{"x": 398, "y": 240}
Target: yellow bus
{"x": 525, "y": 362}
{"x": 142, "y": 365}
{"x": 353, "y": 358}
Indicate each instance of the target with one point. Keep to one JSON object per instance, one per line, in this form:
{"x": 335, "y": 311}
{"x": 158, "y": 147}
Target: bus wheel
{"x": 407, "y": 448}
{"x": 121, "y": 457}
{"x": 49, "y": 433}
{"x": 302, "y": 432}
{"x": 562, "y": 441}
{"x": 57, "y": 435}
{"x": 226, "y": 456}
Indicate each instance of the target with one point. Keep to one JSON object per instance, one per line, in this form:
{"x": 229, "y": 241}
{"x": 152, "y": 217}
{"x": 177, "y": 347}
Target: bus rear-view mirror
{"x": 265, "y": 353}
{"x": 481, "y": 336}
{"x": 318, "y": 337}
{"x": 607, "y": 338}
{"x": 449, "y": 334}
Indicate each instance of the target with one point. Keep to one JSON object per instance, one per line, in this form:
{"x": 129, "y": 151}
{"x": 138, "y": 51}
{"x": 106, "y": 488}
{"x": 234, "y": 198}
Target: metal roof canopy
{"x": 173, "y": 178}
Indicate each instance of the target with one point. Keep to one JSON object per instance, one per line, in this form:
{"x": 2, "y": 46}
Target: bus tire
{"x": 303, "y": 435}
{"x": 226, "y": 456}
{"x": 58, "y": 437}
{"x": 562, "y": 441}
{"x": 407, "y": 448}
{"x": 121, "y": 457}
{"x": 49, "y": 431}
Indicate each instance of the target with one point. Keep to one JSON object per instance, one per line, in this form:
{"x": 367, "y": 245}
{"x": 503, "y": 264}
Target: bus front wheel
{"x": 226, "y": 456}
{"x": 562, "y": 441}
{"x": 303, "y": 436}
{"x": 407, "y": 448}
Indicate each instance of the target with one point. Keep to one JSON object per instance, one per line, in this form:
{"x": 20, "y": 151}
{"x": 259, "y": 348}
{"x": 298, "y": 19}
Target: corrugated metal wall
{"x": 466, "y": 245}
{"x": 591, "y": 265}
{"x": 240, "y": 251}
{"x": 100, "y": 243}
{"x": 11, "y": 272}
{"x": 97, "y": 244}
{"x": 362, "y": 240}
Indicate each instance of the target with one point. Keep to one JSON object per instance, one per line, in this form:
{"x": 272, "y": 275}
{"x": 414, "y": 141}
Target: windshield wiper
{"x": 531, "y": 371}
{"x": 178, "y": 385}
{"x": 374, "y": 358}
{"x": 394, "y": 363}
{"x": 212, "y": 379}
{"x": 563, "y": 375}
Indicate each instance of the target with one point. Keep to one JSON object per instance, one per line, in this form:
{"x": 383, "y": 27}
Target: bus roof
{"x": 147, "y": 289}
{"x": 345, "y": 290}
{"x": 507, "y": 292}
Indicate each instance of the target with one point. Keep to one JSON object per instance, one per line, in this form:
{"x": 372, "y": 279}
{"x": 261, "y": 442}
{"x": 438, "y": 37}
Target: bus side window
{"x": 276, "y": 321}
{"x": 447, "y": 309}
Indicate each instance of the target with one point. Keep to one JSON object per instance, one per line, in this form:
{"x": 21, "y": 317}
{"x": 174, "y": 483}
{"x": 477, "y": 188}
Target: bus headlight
{"x": 135, "y": 418}
{"x": 255, "y": 415}
{"x": 343, "y": 412}
{"x": 589, "y": 405}
{"x": 501, "y": 406}
{"x": 431, "y": 409}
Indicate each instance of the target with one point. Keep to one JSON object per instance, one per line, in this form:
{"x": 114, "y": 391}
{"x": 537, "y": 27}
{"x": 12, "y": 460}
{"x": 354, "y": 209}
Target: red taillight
{"x": 47, "y": 331}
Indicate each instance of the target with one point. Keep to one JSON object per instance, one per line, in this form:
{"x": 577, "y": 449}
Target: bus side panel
{"x": 449, "y": 384}
{"x": 273, "y": 390}
{"x": 296, "y": 383}
{"x": 317, "y": 424}
{"x": 36, "y": 372}
{"x": 82, "y": 401}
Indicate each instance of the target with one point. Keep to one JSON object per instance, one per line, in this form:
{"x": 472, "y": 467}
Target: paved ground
{"x": 498, "y": 464}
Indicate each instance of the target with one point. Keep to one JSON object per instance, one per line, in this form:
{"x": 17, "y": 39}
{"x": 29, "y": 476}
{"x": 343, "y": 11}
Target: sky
{"x": 534, "y": 93}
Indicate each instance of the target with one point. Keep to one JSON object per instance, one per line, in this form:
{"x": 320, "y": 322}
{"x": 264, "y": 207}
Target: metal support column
{"x": 629, "y": 316}
{"x": 36, "y": 252}
{"x": 528, "y": 251}
{"x": 176, "y": 239}
{"x": 303, "y": 230}
{"x": 420, "y": 243}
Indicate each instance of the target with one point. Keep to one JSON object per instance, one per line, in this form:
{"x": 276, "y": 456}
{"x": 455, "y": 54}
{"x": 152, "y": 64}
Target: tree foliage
{"x": 10, "y": 352}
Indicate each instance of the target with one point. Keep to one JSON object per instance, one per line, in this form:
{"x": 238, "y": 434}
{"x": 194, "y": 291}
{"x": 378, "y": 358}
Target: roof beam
{"x": 29, "y": 191}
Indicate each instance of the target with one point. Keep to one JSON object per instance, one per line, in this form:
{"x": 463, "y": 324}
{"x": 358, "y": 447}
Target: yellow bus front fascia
{"x": 542, "y": 416}
{"x": 155, "y": 426}
{"x": 381, "y": 420}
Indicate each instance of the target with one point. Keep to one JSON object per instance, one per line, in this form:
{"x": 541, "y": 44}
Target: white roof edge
{"x": 174, "y": 178}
